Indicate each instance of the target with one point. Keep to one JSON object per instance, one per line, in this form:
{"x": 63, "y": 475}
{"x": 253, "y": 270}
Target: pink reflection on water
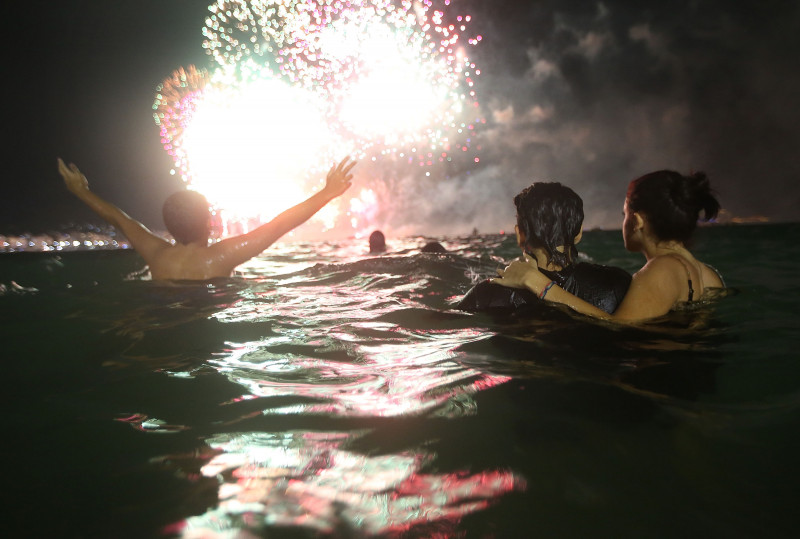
{"x": 384, "y": 380}
{"x": 311, "y": 480}
{"x": 339, "y": 354}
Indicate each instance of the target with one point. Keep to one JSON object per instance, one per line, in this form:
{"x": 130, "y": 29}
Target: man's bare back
{"x": 186, "y": 262}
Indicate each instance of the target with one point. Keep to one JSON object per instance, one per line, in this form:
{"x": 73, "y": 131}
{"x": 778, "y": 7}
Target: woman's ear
{"x": 638, "y": 221}
{"x": 579, "y": 237}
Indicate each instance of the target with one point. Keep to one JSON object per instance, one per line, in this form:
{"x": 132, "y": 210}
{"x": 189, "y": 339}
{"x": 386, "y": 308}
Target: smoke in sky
{"x": 596, "y": 94}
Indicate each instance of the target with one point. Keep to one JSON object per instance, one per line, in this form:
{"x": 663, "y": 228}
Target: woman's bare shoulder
{"x": 712, "y": 278}
{"x": 664, "y": 276}
{"x": 664, "y": 265}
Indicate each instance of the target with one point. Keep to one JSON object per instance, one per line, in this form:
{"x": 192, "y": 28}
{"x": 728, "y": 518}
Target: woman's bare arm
{"x": 653, "y": 291}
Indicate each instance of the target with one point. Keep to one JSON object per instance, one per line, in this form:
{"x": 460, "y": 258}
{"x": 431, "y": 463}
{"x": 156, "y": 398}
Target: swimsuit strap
{"x": 715, "y": 270}
{"x": 688, "y": 275}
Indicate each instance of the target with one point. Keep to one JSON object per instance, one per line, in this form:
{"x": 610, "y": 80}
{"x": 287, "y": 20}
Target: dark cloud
{"x": 610, "y": 90}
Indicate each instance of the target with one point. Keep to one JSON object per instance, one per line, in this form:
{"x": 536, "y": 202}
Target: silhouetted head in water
{"x": 671, "y": 203}
{"x": 187, "y": 217}
{"x": 433, "y": 247}
{"x": 377, "y": 242}
{"x": 549, "y": 217}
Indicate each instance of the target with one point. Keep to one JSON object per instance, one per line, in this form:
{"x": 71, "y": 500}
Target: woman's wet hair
{"x": 672, "y": 202}
{"x": 186, "y": 216}
{"x": 550, "y": 215}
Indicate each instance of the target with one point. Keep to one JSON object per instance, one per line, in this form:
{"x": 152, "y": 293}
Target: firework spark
{"x": 312, "y": 80}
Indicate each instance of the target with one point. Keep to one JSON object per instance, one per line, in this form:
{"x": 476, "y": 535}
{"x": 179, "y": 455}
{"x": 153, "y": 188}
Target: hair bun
{"x": 702, "y": 196}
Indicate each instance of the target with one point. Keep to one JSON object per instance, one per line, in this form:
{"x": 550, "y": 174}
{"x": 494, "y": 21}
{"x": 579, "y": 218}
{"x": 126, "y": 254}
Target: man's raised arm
{"x": 145, "y": 242}
{"x": 239, "y": 249}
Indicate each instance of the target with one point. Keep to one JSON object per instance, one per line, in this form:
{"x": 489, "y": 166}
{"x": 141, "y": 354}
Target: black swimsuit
{"x": 602, "y": 286}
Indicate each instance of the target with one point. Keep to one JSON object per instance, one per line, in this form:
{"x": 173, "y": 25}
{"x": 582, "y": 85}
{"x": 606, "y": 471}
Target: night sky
{"x": 588, "y": 94}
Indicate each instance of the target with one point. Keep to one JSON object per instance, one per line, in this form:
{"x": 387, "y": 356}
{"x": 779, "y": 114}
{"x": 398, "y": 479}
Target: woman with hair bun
{"x": 661, "y": 212}
{"x": 549, "y": 226}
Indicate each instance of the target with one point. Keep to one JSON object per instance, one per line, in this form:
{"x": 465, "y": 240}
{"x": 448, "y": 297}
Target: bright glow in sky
{"x": 249, "y": 145}
{"x": 300, "y": 84}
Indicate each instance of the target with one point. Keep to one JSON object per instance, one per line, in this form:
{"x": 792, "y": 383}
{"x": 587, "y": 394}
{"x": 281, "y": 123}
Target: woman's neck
{"x": 543, "y": 261}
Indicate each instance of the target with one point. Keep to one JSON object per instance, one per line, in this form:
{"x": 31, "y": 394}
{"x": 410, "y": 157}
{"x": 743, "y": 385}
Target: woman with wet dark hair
{"x": 549, "y": 226}
{"x": 549, "y": 223}
{"x": 661, "y": 212}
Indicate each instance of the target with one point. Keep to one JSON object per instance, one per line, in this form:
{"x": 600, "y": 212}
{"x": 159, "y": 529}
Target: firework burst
{"x": 319, "y": 79}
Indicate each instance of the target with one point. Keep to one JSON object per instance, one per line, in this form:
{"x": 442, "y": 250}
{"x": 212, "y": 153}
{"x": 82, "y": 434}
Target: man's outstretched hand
{"x": 339, "y": 177}
{"x": 74, "y": 179}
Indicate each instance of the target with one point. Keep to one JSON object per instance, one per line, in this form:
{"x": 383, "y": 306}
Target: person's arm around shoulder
{"x": 524, "y": 273}
{"x": 237, "y": 250}
{"x": 147, "y": 244}
{"x": 653, "y": 290}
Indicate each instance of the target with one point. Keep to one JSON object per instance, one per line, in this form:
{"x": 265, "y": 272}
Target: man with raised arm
{"x": 187, "y": 217}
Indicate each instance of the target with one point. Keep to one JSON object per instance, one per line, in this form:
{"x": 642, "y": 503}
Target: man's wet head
{"x": 187, "y": 217}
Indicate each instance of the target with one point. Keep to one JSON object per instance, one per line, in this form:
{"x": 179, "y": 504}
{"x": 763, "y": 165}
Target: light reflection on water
{"x": 311, "y": 479}
{"x": 383, "y": 380}
{"x": 348, "y": 338}
{"x": 327, "y": 391}
{"x": 338, "y": 341}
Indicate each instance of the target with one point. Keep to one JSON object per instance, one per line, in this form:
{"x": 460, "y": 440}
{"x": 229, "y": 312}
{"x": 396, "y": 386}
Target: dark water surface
{"x": 328, "y": 392}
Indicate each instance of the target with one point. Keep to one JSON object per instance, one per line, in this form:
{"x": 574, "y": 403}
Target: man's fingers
{"x": 345, "y": 165}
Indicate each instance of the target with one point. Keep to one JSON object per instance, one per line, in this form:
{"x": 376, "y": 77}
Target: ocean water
{"x": 324, "y": 391}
